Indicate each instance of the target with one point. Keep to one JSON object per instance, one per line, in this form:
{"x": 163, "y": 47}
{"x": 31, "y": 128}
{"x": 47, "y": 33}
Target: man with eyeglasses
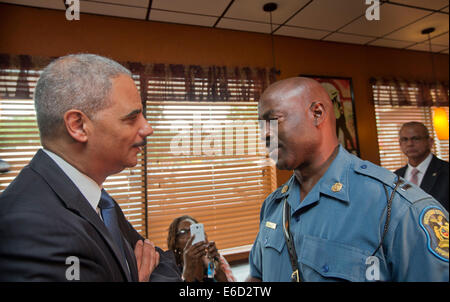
{"x": 424, "y": 169}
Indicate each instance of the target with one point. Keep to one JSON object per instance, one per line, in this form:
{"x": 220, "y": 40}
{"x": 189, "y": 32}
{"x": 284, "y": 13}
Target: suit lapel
{"x": 129, "y": 253}
{"x": 73, "y": 199}
{"x": 431, "y": 175}
{"x": 401, "y": 172}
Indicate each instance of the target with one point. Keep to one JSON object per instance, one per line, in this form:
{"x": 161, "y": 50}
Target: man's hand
{"x": 147, "y": 259}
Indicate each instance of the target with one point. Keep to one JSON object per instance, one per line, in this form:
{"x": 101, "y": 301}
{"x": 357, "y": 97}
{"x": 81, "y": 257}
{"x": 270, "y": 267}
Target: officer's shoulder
{"x": 276, "y": 195}
{"x": 408, "y": 191}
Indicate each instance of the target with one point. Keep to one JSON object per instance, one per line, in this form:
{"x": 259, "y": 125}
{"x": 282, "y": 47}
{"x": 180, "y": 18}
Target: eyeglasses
{"x": 413, "y": 139}
{"x": 183, "y": 232}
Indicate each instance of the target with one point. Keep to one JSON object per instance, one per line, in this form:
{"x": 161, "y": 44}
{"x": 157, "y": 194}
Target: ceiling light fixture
{"x": 428, "y": 31}
{"x": 269, "y": 8}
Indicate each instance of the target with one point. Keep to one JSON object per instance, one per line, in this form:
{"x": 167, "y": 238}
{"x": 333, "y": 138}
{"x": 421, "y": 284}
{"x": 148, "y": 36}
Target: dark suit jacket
{"x": 435, "y": 180}
{"x": 44, "y": 219}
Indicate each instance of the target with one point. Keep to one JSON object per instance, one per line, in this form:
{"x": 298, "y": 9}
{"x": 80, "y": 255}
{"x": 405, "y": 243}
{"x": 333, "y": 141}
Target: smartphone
{"x": 198, "y": 231}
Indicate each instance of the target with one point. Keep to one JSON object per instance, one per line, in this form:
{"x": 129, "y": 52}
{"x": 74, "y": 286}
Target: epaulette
{"x": 409, "y": 191}
{"x": 282, "y": 191}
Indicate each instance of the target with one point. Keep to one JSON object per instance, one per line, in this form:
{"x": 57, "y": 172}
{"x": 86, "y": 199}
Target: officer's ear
{"x": 318, "y": 112}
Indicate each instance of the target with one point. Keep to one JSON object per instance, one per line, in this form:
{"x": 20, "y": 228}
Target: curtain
{"x": 177, "y": 82}
{"x": 399, "y": 92}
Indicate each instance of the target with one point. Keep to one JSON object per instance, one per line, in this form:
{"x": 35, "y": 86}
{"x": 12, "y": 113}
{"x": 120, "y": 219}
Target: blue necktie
{"x": 107, "y": 207}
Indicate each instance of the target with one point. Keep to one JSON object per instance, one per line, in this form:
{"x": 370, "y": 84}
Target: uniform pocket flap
{"x": 333, "y": 259}
{"x": 273, "y": 237}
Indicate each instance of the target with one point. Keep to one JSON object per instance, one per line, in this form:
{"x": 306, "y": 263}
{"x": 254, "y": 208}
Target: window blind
{"x": 205, "y": 159}
{"x": 389, "y": 119}
{"x": 19, "y": 135}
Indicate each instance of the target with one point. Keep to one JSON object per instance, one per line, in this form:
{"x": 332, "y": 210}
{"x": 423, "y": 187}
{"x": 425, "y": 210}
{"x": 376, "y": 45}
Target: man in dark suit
{"x": 56, "y": 221}
{"x": 424, "y": 168}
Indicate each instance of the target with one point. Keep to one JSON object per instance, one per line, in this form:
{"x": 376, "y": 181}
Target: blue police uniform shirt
{"x": 336, "y": 229}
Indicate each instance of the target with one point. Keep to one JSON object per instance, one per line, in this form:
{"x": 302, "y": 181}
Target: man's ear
{"x": 318, "y": 111}
{"x": 76, "y": 123}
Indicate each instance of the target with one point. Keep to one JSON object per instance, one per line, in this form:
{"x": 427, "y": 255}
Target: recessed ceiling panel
{"x": 136, "y": 3}
{"x": 181, "y": 18}
{"x": 244, "y": 25}
{"x": 392, "y": 17}
{"x": 328, "y": 14}
{"x": 202, "y": 7}
{"x": 441, "y": 40}
{"x": 391, "y": 43}
{"x": 400, "y": 24}
{"x": 413, "y": 32}
{"x": 298, "y": 32}
{"x": 348, "y": 38}
{"x": 253, "y": 10}
{"x": 113, "y": 9}
{"x": 55, "y": 4}
{"x": 430, "y": 4}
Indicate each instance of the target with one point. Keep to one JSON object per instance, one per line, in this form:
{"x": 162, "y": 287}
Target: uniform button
{"x": 363, "y": 166}
{"x": 297, "y": 218}
{"x": 325, "y": 268}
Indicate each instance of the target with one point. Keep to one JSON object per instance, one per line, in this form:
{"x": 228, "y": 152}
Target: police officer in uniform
{"x": 339, "y": 218}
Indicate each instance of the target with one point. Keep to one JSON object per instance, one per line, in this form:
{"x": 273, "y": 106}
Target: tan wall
{"x": 47, "y": 33}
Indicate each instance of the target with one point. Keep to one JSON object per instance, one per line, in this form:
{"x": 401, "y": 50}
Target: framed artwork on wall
{"x": 340, "y": 90}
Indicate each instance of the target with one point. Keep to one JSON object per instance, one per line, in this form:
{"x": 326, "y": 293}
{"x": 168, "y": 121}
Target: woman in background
{"x": 194, "y": 260}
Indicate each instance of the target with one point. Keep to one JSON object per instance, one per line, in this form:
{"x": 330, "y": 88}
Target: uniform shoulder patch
{"x": 435, "y": 225}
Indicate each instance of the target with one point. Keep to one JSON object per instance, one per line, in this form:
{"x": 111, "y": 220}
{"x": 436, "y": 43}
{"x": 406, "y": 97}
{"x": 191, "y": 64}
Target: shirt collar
{"x": 423, "y": 166}
{"x": 333, "y": 183}
{"x": 89, "y": 188}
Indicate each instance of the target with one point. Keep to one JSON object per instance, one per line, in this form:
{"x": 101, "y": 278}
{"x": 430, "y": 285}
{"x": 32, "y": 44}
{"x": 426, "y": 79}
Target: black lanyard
{"x": 397, "y": 183}
{"x": 289, "y": 241}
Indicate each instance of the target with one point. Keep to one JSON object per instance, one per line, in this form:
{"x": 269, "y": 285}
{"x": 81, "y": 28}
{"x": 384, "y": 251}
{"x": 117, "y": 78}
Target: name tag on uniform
{"x": 271, "y": 225}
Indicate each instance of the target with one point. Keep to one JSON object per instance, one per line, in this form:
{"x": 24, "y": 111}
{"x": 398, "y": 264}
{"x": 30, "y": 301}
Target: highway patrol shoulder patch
{"x": 435, "y": 225}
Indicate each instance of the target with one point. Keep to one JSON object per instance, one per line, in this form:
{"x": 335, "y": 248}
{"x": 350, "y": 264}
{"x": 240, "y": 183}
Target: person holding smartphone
{"x": 196, "y": 260}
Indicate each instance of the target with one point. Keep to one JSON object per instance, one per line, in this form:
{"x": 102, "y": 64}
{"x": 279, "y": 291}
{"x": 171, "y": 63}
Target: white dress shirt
{"x": 422, "y": 167}
{"x": 89, "y": 188}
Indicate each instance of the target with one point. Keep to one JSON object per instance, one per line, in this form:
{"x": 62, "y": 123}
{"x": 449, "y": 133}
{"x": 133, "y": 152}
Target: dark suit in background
{"x": 435, "y": 181}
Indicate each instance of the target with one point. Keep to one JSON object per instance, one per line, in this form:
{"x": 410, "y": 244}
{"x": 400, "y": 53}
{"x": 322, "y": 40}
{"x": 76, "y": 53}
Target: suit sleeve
{"x": 128, "y": 231}
{"x": 167, "y": 270}
{"x": 35, "y": 248}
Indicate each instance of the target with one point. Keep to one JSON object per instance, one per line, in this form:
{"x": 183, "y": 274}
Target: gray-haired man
{"x": 52, "y": 224}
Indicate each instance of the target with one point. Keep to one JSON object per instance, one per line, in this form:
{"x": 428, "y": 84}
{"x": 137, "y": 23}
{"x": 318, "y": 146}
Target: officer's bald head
{"x": 305, "y": 118}
{"x": 305, "y": 92}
